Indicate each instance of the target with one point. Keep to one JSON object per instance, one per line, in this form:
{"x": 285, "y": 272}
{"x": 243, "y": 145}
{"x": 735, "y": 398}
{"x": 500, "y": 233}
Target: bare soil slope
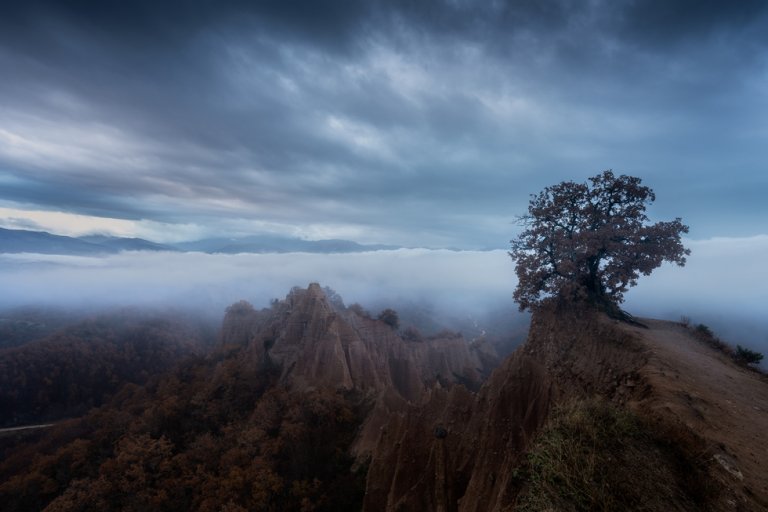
{"x": 725, "y": 404}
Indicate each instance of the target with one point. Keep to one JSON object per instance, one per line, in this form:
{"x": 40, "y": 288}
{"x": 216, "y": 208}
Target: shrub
{"x": 747, "y": 356}
{"x": 389, "y": 317}
{"x": 359, "y": 310}
{"x": 412, "y": 334}
{"x": 333, "y": 297}
{"x": 740, "y": 355}
{"x": 704, "y": 330}
{"x": 705, "y": 334}
{"x": 240, "y": 308}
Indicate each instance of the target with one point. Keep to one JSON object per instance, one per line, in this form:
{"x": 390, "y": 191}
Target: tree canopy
{"x": 591, "y": 241}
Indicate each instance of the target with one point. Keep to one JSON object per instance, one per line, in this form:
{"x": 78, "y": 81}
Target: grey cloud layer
{"x": 409, "y": 122}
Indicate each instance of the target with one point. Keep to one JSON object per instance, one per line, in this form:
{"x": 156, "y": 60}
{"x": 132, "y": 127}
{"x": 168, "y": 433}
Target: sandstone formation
{"x": 434, "y": 445}
{"x": 458, "y": 449}
{"x": 461, "y": 451}
{"x": 319, "y": 344}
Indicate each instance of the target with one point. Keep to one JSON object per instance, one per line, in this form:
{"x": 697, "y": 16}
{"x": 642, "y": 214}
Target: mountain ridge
{"x": 317, "y": 343}
{"x": 43, "y": 242}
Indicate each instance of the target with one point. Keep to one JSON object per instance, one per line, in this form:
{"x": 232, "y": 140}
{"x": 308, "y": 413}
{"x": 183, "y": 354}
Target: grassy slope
{"x": 690, "y": 432}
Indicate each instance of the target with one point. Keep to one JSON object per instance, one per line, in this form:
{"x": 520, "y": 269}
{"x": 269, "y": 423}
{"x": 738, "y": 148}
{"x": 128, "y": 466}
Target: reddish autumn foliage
{"x": 591, "y": 242}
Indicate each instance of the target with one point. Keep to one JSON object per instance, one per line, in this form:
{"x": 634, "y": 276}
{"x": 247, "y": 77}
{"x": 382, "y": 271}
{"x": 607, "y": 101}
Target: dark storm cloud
{"x": 660, "y": 22}
{"x": 71, "y": 198}
{"x": 420, "y": 121}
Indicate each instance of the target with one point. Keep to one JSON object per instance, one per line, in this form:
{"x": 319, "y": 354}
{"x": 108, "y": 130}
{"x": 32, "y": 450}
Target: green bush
{"x": 745, "y": 355}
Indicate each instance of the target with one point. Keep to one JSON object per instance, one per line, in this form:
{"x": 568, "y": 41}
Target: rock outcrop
{"x": 488, "y": 432}
{"x": 460, "y": 451}
{"x": 316, "y": 343}
{"x": 434, "y": 445}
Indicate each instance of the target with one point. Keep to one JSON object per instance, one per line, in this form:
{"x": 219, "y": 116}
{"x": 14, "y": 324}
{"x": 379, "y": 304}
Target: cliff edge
{"x": 701, "y": 422}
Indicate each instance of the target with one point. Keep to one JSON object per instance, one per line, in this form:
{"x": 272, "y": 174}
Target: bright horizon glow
{"x": 65, "y": 223}
{"x": 75, "y": 225}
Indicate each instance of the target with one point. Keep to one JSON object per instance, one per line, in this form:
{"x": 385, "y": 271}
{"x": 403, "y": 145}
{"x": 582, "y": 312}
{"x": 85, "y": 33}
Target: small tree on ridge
{"x": 390, "y": 317}
{"x": 591, "y": 241}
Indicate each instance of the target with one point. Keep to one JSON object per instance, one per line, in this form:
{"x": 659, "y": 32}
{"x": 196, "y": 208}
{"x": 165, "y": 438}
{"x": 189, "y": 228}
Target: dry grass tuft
{"x": 594, "y": 456}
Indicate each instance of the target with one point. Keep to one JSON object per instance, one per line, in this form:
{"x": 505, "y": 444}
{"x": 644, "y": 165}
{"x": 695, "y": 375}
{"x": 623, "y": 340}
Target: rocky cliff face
{"x": 588, "y": 353}
{"x": 437, "y": 446}
{"x": 461, "y": 451}
{"x": 471, "y": 466}
{"x": 458, "y": 450}
{"x": 318, "y": 344}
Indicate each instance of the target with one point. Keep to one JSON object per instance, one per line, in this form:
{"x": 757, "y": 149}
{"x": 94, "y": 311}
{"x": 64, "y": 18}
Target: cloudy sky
{"x": 422, "y": 123}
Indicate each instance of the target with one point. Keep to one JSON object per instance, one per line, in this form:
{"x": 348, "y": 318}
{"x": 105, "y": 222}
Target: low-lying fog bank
{"x": 723, "y": 285}
{"x": 446, "y": 278}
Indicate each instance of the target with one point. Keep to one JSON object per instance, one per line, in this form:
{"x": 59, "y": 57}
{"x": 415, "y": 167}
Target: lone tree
{"x": 589, "y": 242}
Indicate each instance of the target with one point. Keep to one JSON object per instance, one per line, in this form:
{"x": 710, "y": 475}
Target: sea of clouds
{"x": 724, "y": 284}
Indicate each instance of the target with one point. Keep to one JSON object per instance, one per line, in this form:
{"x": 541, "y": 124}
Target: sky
{"x": 421, "y": 124}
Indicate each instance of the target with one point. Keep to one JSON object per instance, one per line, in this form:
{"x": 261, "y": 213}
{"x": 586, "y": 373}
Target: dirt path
{"x": 726, "y": 404}
{"x": 11, "y": 430}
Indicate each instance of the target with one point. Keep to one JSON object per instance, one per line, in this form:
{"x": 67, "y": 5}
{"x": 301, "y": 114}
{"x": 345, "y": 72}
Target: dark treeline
{"x": 66, "y": 373}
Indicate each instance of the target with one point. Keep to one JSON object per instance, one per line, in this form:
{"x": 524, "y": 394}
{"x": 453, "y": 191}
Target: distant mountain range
{"x": 279, "y": 244}
{"x": 41, "y": 242}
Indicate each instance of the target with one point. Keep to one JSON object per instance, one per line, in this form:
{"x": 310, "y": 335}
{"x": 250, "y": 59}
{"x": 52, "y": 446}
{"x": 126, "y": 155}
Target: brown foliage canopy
{"x": 82, "y": 365}
{"x": 591, "y": 241}
{"x": 213, "y": 434}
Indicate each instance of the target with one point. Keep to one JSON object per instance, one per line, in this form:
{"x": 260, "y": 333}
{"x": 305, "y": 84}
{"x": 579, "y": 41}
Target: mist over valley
{"x": 721, "y": 286}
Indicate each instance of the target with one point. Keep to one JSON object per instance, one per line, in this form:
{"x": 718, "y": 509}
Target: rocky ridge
{"x": 316, "y": 343}
{"x": 460, "y": 451}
